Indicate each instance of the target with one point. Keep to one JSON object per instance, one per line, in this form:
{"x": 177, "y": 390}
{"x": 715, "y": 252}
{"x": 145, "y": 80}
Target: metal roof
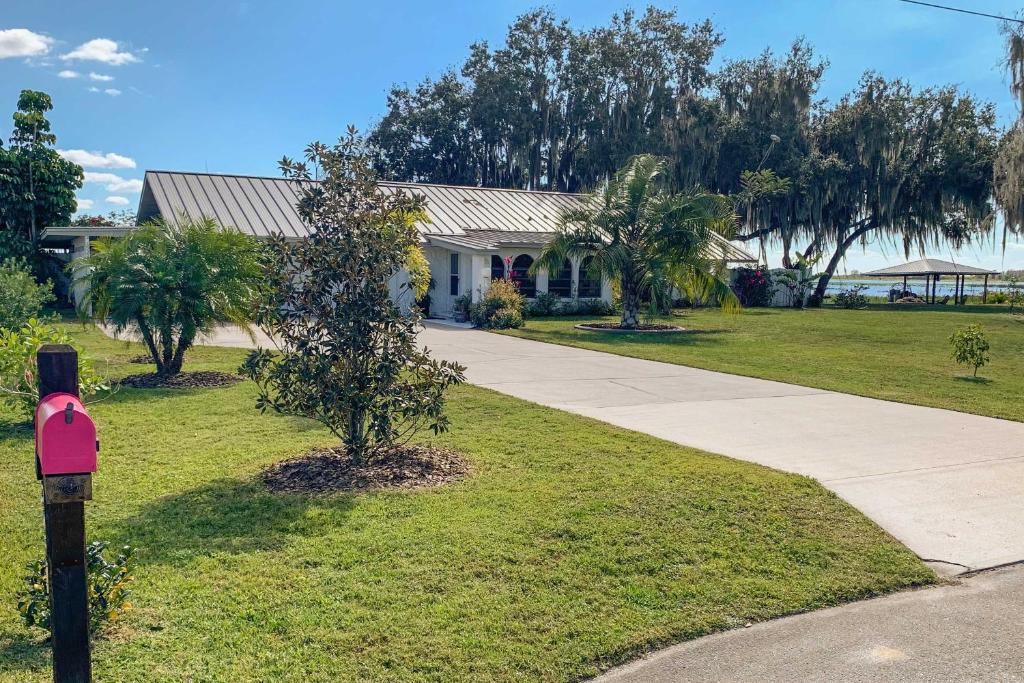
{"x": 929, "y": 266}
{"x": 264, "y": 206}
{"x": 464, "y": 216}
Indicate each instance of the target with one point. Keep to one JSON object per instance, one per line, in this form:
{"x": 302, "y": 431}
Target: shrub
{"x": 998, "y": 297}
{"x": 545, "y": 304}
{"x": 19, "y": 386}
{"x": 21, "y": 297}
{"x": 500, "y": 295}
{"x": 506, "y": 318}
{"x": 587, "y": 307}
{"x": 970, "y": 347}
{"x": 851, "y": 298}
{"x": 753, "y": 287}
{"x": 107, "y": 585}
{"x": 346, "y": 353}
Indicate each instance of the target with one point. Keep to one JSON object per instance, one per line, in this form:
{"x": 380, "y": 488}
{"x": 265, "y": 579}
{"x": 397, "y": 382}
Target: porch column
{"x": 542, "y": 280}
{"x": 80, "y": 250}
{"x": 984, "y": 291}
{"x": 479, "y": 275}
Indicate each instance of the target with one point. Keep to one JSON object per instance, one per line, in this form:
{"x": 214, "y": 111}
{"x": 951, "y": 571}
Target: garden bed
{"x": 331, "y": 470}
{"x": 183, "y": 380}
{"x": 643, "y": 329}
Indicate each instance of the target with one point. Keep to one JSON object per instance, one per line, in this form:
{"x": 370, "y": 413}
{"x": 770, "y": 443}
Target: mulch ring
{"x": 183, "y": 380}
{"x": 614, "y": 327}
{"x": 331, "y": 470}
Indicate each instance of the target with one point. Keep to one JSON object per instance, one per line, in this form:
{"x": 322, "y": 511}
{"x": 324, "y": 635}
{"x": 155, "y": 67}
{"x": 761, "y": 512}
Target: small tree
{"x": 347, "y": 354}
{"x": 170, "y": 283}
{"x": 970, "y": 347}
{"x": 21, "y": 297}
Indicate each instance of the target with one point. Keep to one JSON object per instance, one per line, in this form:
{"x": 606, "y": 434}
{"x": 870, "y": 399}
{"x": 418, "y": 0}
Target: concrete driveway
{"x": 950, "y": 634}
{"x": 948, "y": 485}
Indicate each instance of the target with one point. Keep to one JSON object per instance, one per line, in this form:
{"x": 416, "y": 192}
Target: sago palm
{"x": 171, "y": 283}
{"x": 649, "y": 239}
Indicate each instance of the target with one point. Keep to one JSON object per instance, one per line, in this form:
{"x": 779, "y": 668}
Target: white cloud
{"x": 113, "y": 182}
{"x": 113, "y": 92}
{"x": 93, "y": 89}
{"x": 96, "y": 159}
{"x": 84, "y": 204}
{"x": 68, "y": 73}
{"x": 101, "y": 50}
{"x": 120, "y": 201}
{"x": 20, "y": 42}
{"x": 93, "y": 76}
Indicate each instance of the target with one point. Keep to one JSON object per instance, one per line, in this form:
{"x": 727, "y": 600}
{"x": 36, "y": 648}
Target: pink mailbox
{"x": 65, "y": 436}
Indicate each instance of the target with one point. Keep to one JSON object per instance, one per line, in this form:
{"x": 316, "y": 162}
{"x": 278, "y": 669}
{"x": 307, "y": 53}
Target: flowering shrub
{"x": 753, "y": 287}
{"x": 502, "y": 296}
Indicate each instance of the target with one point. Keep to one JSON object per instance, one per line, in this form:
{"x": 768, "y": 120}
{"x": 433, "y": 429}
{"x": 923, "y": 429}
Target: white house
{"x": 473, "y": 236}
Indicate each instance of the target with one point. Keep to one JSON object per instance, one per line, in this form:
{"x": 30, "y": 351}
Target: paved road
{"x": 948, "y": 485}
{"x": 951, "y": 634}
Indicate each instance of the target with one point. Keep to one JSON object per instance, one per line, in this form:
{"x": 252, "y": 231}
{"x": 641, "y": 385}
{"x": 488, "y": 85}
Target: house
{"x": 473, "y": 234}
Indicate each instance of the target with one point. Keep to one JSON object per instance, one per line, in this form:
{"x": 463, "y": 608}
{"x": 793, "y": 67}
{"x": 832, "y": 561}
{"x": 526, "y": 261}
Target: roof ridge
{"x": 380, "y": 181}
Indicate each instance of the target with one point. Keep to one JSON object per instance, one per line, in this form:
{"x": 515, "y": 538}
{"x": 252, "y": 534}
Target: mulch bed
{"x": 331, "y": 470}
{"x": 183, "y": 380}
{"x": 614, "y": 327}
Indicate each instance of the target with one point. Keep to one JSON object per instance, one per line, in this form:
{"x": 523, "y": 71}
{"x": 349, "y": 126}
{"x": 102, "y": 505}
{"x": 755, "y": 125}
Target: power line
{"x": 962, "y": 11}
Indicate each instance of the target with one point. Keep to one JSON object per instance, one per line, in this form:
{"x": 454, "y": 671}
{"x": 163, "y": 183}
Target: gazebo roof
{"x": 929, "y": 266}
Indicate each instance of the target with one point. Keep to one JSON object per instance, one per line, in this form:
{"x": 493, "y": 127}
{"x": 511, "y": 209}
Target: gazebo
{"x": 931, "y": 270}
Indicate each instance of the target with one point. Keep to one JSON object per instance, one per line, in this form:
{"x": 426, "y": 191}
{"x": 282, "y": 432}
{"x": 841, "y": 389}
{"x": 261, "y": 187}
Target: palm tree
{"x": 648, "y": 238}
{"x": 170, "y": 283}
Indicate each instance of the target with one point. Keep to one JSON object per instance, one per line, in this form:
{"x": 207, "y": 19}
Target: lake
{"x": 881, "y": 286}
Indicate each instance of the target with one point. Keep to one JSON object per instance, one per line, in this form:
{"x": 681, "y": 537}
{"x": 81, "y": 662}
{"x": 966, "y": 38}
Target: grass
{"x": 898, "y": 354}
{"x": 573, "y": 547}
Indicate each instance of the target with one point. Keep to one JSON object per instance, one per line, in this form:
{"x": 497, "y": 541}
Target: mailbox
{"x": 65, "y": 436}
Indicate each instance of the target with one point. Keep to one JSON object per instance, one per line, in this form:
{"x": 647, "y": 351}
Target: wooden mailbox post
{"x": 62, "y": 426}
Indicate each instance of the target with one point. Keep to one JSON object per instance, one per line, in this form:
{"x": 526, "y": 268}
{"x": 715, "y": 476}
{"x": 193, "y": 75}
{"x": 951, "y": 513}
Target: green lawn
{"x": 898, "y": 354}
{"x": 573, "y": 547}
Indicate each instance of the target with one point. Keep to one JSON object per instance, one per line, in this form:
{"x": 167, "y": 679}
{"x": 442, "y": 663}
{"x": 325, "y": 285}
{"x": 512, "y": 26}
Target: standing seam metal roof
{"x": 262, "y": 206}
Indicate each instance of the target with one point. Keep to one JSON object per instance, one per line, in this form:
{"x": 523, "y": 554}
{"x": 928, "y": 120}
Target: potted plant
{"x": 461, "y": 308}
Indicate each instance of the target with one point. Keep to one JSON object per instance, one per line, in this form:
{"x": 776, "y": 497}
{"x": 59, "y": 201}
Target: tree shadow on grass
{"x": 24, "y": 652}
{"x": 224, "y": 516}
{"x": 970, "y": 379}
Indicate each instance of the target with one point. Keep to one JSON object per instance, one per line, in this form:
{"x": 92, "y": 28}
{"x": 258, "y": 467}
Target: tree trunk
{"x": 818, "y": 296}
{"x": 630, "y": 305}
{"x": 184, "y": 344}
{"x": 356, "y": 437}
{"x": 147, "y": 337}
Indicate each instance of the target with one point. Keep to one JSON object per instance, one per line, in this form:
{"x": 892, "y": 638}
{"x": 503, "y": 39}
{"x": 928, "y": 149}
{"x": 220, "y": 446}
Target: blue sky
{"x": 232, "y": 86}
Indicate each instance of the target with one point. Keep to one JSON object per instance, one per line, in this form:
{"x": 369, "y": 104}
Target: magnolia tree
{"x": 346, "y": 352}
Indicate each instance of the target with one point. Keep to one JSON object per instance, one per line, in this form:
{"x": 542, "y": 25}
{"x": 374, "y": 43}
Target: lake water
{"x": 881, "y": 286}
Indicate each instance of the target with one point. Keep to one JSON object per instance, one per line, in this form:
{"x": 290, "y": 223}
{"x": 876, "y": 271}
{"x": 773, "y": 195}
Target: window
{"x": 590, "y": 285}
{"x": 497, "y": 268}
{"x": 560, "y": 281}
{"x": 453, "y": 281}
{"x": 520, "y": 274}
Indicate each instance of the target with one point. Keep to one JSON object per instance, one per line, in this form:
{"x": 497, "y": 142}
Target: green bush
{"x": 21, "y": 297}
{"x": 970, "y": 347}
{"x": 19, "y": 386}
{"x": 851, "y": 298}
{"x": 587, "y": 307}
{"x": 107, "y": 584}
{"x": 545, "y": 304}
{"x": 998, "y": 297}
{"x": 501, "y": 295}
